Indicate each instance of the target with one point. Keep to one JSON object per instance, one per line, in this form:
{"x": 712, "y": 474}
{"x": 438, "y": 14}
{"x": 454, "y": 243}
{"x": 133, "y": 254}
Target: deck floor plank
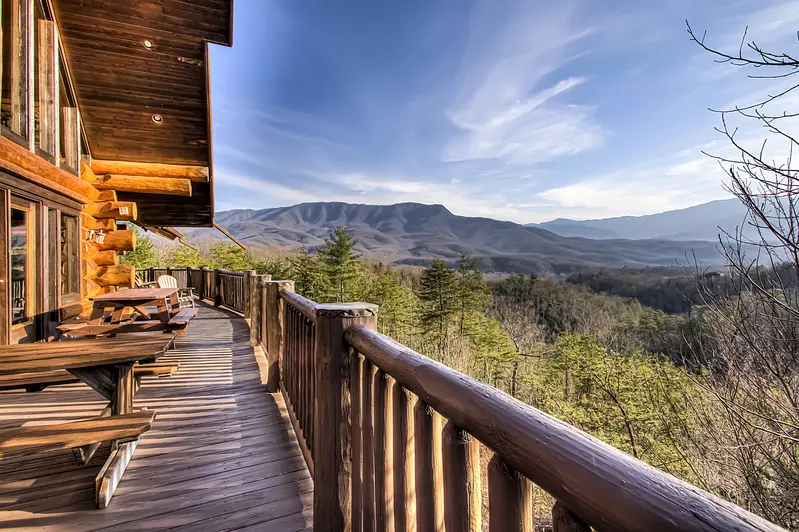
{"x": 221, "y": 454}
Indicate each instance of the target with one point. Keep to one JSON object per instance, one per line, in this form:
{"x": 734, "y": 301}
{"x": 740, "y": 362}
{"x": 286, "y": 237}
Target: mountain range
{"x": 700, "y": 222}
{"x": 414, "y": 233}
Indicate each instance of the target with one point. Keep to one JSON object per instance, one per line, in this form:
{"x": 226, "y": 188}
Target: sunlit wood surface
{"x": 221, "y": 454}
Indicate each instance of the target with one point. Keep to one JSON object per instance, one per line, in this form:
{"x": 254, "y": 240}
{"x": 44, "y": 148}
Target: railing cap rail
{"x": 302, "y": 304}
{"x": 347, "y": 310}
{"x": 231, "y": 272}
{"x": 606, "y": 487}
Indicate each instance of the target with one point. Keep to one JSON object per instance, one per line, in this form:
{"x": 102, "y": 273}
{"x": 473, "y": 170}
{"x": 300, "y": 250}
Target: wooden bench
{"x": 180, "y": 321}
{"x": 36, "y": 382}
{"x": 84, "y": 436}
{"x": 123, "y": 428}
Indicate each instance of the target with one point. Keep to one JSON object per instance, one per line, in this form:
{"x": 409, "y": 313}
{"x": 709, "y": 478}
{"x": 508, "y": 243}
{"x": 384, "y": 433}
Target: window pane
{"x": 69, "y": 255}
{"x": 69, "y": 132}
{"x": 44, "y": 80}
{"x": 20, "y": 267}
{"x": 13, "y": 113}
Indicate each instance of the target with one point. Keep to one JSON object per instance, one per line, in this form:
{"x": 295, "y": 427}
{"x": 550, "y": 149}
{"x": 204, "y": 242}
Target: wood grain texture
{"x": 429, "y": 469}
{"x": 90, "y": 177}
{"x": 384, "y": 451}
{"x": 198, "y": 174}
{"x": 124, "y": 240}
{"x": 356, "y": 391}
{"x": 121, "y": 85}
{"x": 461, "y": 457}
{"x": 117, "y": 210}
{"x": 515, "y": 431}
{"x": 368, "y": 439}
{"x": 332, "y": 423}
{"x": 564, "y": 520}
{"x": 510, "y": 499}
{"x": 18, "y": 160}
{"x": 115, "y": 275}
{"x": 221, "y": 454}
{"x": 111, "y": 474}
{"x": 404, "y": 460}
{"x": 77, "y": 433}
{"x": 145, "y": 185}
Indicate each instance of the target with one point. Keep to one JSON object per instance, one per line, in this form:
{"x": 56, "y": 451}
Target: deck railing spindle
{"x": 462, "y": 504}
{"x": 510, "y": 499}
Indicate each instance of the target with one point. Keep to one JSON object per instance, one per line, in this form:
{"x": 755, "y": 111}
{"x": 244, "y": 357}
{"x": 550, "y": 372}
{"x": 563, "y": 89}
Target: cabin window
{"x": 44, "y": 87}
{"x": 70, "y": 266}
{"x": 14, "y": 108}
{"x": 23, "y": 261}
{"x": 69, "y": 132}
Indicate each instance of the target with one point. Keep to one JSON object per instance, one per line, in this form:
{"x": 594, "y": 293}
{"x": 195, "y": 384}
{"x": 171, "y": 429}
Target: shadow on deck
{"x": 221, "y": 455}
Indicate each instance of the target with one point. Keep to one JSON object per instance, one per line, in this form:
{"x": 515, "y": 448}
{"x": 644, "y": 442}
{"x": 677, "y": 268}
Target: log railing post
{"x": 217, "y": 288}
{"x": 275, "y": 335}
{"x": 248, "y": 294}
{"x": 201, "y": 289}
{"x": 510, "y": 499}
{"x": 254, "y": 307}
{"x": 332, "y": 415}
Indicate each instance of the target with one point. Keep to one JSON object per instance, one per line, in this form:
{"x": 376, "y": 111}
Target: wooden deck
{"x": 221, "y": 454}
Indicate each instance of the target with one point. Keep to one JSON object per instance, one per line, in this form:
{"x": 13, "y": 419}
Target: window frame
{"x": 24, "y": 116}
{"x": 66, "y": 297}
{"x": 44, "y": 71}
{"x": 32, "y": 226}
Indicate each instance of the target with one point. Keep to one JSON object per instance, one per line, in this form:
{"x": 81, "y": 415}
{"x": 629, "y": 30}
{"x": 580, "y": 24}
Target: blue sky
{"x": 523, "y": 110}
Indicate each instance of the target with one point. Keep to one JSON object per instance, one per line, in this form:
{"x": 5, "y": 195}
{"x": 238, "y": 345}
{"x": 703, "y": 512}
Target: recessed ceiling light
{"x": 158, "y": 119}
{"x": 147, "y": 43}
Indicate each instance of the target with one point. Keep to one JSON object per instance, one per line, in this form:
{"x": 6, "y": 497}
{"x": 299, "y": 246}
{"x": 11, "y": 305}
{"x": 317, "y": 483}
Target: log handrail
{"x": 231, "y": 272}
{"x": 304, "y": 305}
{"x": 604, "y": 486}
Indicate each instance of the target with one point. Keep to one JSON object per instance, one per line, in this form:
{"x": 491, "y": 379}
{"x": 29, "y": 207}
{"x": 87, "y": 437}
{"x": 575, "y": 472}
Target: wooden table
{"x": 106, "y": 365}
{"x": 165, "y": 300}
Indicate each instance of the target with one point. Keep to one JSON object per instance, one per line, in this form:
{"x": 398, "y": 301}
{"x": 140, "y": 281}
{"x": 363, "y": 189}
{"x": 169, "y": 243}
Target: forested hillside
{"x": 651, "y": 383}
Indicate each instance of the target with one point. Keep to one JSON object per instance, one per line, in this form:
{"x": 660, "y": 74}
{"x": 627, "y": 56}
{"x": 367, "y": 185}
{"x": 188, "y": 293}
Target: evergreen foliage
{"x": 144, "y": 255}
{"x": 438, "y": 291}
{"x": 341, "y": 263}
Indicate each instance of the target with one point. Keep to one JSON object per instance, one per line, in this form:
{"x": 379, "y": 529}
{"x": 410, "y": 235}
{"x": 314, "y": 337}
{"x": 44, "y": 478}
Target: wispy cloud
{"x": 673, "y": 184}
{"x": 504, "y": 109}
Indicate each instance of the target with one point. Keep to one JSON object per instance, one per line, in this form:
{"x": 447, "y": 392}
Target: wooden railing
{"x": 223, "y": 287}
{"x": 392, "y": 438}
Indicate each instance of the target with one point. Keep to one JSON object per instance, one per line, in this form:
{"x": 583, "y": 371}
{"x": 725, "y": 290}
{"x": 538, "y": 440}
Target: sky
{"x": 521, "y": 110}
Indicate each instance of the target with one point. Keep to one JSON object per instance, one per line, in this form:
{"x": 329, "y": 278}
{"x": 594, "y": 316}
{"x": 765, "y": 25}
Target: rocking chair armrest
{"x": 188, "y": 290}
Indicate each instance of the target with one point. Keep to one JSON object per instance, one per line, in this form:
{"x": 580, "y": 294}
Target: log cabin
{"x": 106, "y": 119}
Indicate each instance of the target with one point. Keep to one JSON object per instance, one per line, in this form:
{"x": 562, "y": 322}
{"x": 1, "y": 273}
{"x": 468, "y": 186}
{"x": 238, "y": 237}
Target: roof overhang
{"x": 141, "y": 78}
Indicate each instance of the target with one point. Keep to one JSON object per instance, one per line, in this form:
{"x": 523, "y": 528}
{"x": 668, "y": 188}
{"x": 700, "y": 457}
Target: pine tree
{"x": 439, "y": 292}
{"x": 309, "y": 275}
{"x": 342, "y": 265}
{"x": 397, "y": 303}
{"x": 144, "y": 255}
{"x": 473, "y": 295}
